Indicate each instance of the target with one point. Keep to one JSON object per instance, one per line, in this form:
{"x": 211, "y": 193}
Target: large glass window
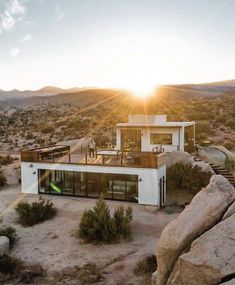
{"x": 163, "y": 139}
{"x": 112, "y": 186}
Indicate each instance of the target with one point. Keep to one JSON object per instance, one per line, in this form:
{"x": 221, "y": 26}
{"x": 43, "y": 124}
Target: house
{"x": 152, "y": 132}
{"x": 135, "y": 171}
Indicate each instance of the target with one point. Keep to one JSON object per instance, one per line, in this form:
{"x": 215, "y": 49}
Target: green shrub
{"x": 186, "y": 177}
{"x": 10, "y": 233}
{"x": 122, "y": 219}
{"x": 98, "y": 225}
{"x": 229, "y": 164}
{"x": 36, "y": 212}
{"x": 148, "y": 265}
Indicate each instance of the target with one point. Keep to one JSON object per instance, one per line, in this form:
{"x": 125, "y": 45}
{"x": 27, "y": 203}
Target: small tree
{"x": 98, "y": 225}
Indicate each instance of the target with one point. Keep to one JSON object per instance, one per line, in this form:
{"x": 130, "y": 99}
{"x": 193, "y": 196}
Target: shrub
{"x": 98, "y": 225}
{"x": 122, "y": 220}
{"x": 3, "y": 180}
{"x": 89, "y": 273}
{"x": 186, "y": 177}
{"x": 229, "y": 163}
{"x": 5, "y": 160}
{"x": 36, "y": 212}
{"x": 10, "y": 233}
{"x": 148, "y": 265}
{"x": 8, "y": 265}
{"x": 48, "y": 129}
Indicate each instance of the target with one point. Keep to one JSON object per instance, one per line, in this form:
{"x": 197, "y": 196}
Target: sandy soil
{"x": 54, "y": 243}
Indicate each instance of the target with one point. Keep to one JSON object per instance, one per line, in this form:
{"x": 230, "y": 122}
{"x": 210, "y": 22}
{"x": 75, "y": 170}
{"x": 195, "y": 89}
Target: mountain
{"x": 181, "y": 91}
{"x": 45, "y": 91}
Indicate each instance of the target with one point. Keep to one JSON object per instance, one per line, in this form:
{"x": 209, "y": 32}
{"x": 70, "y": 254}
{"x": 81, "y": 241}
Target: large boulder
{"x": 211, "y": 258}
{"x": 206, "y": 209}
{"x": 178, "y": 157}
{"x": 205, "y": 167}
{"x": 4, "y": 245}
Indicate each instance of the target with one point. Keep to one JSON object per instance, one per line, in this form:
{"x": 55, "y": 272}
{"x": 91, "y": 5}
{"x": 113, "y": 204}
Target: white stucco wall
{"x": 148, "y": 187}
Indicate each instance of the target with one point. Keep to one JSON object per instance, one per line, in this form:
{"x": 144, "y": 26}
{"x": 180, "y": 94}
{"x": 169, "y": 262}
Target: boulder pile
{"x": 198, "y": 247}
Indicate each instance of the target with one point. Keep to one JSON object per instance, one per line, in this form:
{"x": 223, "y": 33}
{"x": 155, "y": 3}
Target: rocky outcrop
{"x": 210, "y": 259}
{"x": 4, "y": 245}
{"x": 204, "y": 166}
{"x": 205, "y": 211}
{"x": 178, "y": 157}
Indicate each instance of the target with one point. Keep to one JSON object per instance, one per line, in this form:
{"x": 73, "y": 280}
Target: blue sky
{"x": 133, "y": 44}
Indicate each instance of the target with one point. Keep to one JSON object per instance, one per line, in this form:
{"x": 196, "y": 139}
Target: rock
{"x": 229, "y": 212}
{"x": 205, "y": 210}
{"x": 211, "y": 258}
{"x": 4, "y": 245}
{"x": 178, "y": 156}
{"x": 204, "y": 166}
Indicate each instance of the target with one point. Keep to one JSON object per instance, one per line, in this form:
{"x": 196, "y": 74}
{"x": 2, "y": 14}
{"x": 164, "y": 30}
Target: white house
{"x": 151, "y": 132}
{"x": 126, "y": 176}
{"x": 134, "y": 171}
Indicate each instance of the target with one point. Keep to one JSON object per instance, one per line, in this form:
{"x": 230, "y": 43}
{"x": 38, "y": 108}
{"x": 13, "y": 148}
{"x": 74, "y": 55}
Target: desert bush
{"x": 148, "y": 265}
{"x": 10, "y": 233}
{"x": 122, "y": 219}
{"x": 229, "y": 145}
{"x": 186, "y": 177}
{"x": 36, "y": 212}
{"x": 229, "y": 163}
{"x": 8, "y": 265}
{"x": 48, "y": 129}
{"x": 3, "y": 180}
{"x": 89, "y": 273}
{"x": 98, "y": 225}
{"x": 5, "y": 160}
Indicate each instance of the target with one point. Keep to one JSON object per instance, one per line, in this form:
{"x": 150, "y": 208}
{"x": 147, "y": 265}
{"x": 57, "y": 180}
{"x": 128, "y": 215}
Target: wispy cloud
{"x": 26, "y": 38}
{"x": 12, "y": 13}
{"x": 59, "y": 14}
{"x": 14, "y": 52}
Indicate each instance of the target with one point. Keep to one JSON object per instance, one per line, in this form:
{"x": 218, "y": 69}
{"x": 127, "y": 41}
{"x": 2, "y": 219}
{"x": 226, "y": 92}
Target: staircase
{"x": 220, "y": 170}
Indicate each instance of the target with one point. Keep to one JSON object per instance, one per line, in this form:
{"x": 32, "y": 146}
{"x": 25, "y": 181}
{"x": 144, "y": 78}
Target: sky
{"x": 131, "y": 44}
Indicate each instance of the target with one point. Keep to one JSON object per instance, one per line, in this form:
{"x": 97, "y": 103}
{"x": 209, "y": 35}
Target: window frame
{"x": 161, "y": 142}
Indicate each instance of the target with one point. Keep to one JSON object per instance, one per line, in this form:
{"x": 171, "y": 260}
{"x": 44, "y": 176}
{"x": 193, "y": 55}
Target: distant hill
{"x": 45, "y": 91}
{"x": 50, "y": 93}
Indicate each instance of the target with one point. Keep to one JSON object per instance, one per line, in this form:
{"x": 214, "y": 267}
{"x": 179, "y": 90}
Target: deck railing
{"x": 98, "y": 158}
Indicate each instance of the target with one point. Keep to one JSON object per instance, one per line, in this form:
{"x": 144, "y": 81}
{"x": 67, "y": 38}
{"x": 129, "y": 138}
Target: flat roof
{"x": 165, "y": 124}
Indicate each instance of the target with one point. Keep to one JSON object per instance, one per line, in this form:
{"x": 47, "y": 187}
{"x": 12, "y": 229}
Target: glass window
{"x": 164, "y": 139}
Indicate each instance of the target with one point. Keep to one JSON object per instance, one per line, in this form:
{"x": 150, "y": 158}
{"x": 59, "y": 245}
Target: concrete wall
{"x": 177, "y": 138}
{"x": 148, "y": 187}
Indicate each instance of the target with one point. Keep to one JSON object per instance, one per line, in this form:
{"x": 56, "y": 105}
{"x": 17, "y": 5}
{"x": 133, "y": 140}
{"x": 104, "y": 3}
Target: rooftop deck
{"x": 62, "y": 154}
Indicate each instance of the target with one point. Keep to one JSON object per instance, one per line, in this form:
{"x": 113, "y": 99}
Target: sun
{"x": 142, "y": 91}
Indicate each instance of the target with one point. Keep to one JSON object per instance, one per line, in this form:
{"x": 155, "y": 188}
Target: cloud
{"x": 15, "y": 8}
{"x": 14, "y": 52}
{"x": 14, "y": 12}
{"x": 26, "y": 38}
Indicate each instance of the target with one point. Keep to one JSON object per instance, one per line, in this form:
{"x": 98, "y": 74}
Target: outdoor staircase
{"x": 220, "y": 170}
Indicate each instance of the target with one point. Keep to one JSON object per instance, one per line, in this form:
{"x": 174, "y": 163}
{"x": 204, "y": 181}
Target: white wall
{"x": 148, "y": 187}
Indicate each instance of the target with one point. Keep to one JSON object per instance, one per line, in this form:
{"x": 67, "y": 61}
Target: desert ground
{"x": 54, "y": 244}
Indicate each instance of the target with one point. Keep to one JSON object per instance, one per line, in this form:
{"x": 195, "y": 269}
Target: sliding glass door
{"x": 87, "y": 184}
